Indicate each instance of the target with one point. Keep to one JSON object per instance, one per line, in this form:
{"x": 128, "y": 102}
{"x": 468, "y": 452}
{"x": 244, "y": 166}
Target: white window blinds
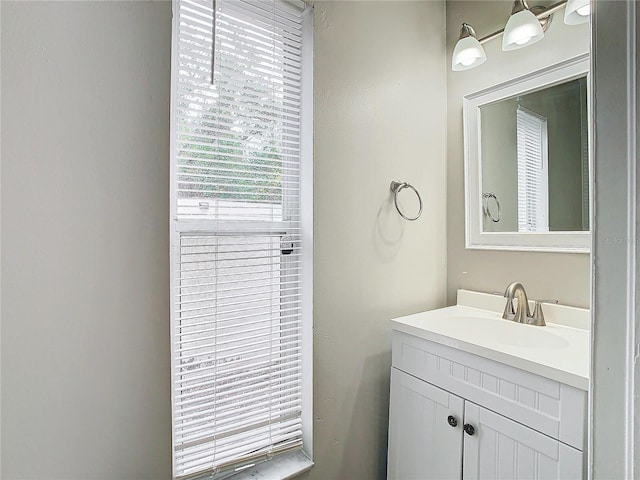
{"x": 237, "y": 251}
{"x": 532, "y": 150}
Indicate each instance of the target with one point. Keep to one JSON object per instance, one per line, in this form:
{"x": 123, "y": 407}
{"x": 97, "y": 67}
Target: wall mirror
{"x": 527, "y": 162}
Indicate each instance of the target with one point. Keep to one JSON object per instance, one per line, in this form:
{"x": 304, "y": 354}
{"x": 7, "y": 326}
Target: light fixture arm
{"x": 466, "y": 31}
{"x": 520, "y": 5}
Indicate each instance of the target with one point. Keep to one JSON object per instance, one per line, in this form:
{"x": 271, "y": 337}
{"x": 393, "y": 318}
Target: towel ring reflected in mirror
{"x": 486, "y": 210}
{"x": 396, "y": 188}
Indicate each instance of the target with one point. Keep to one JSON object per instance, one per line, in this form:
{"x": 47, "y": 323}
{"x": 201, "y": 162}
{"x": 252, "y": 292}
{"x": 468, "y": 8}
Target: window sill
{"x": 281, "y": 467}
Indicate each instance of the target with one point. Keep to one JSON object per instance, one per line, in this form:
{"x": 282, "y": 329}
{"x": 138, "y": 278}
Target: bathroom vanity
{"x": 475, "y": 396}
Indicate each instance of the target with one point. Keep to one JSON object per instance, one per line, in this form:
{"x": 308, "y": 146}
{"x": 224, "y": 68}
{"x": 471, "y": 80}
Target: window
{"x": 241, "y": 233}
{"x": 533, "y": 178}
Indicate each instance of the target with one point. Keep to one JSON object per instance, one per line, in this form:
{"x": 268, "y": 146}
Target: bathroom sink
{"x": 507, "y": 332}
{"x": 559, "y": 350}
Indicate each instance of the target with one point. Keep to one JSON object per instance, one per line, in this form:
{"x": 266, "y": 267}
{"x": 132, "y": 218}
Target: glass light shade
{"x": 577, "y": 12}
{"x": 522, "y": 29}
{"x": 468, "y": 53}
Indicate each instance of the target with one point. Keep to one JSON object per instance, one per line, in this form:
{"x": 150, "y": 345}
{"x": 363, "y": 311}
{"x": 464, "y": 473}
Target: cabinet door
{"x": 423, "y": 445}
{"x": 500, "y": 448}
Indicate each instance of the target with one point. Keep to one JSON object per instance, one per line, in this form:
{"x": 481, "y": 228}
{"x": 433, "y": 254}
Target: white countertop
{"x": 555, "y": 351}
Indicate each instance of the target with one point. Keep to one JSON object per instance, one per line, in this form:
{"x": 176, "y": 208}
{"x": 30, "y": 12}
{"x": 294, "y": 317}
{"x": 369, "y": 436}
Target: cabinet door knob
{"x": 468, "y": 429}
{"x": 452, "y": 421}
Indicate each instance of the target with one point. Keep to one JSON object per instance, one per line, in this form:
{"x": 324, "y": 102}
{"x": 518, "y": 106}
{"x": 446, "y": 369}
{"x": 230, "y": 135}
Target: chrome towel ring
{"x": 485, "y": 206}
{"x": 396, "y": 188}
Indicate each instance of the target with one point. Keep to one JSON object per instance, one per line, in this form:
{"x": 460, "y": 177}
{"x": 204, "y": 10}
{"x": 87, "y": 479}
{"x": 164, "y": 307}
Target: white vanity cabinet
{"x": 502, "y": 448}
{"x": 422, "y": 444}
{"x": 456, "y": 415}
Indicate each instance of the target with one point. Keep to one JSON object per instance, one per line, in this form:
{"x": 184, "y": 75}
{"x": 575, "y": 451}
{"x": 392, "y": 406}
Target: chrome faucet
{"x": 521, "y": 314}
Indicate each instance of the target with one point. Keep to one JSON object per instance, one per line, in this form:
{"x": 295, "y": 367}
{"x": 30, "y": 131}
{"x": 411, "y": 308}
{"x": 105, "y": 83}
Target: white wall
{"x": 85, "y": 245}
{"x": 565, "y": 277}
{"x": 380, "y": 96}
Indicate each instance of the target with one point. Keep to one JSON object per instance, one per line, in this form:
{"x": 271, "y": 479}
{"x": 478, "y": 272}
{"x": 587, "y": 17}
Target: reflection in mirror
{"x": 535, "y": 161}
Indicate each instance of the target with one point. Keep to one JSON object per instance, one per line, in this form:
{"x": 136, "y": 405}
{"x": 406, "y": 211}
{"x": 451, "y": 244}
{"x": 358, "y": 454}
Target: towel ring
{"x": 396, "y": 188}
{"x": 485, "y": 206}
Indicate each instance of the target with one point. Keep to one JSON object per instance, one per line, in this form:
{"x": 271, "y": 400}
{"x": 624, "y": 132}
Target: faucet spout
{"x": 522, "y": 313}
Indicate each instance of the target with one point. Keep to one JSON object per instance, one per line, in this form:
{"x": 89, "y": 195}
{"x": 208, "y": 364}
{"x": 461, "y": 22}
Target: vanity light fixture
{"x": 522, "y": 29}
{"x": 525, "y": 26}
{"x": 468, "y": 52}
{"x": 577, "y": 12}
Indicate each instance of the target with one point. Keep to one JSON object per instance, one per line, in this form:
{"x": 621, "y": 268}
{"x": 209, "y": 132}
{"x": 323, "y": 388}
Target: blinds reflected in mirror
{"x": 533, "y": 176}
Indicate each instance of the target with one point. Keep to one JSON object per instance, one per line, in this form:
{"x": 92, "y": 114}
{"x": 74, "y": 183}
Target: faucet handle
{"x": 509, "y": 311}
{"x": 548, "y": 300}
{"x": 538, "y": 315}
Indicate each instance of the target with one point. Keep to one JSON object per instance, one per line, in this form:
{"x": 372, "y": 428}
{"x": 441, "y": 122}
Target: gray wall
{"x": 499, "y": 165}
{"x": 85, "y": 332}
{"x": 379, "y": 107}
{"x": 85, "y": 270}
{"x": 545, "y": 275}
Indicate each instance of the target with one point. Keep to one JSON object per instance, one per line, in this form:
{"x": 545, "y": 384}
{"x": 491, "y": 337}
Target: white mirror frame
{"x": 568, "y": 242}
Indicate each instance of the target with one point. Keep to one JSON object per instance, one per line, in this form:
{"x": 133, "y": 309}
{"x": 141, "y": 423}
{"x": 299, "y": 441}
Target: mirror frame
{"x": 475, "y": 238}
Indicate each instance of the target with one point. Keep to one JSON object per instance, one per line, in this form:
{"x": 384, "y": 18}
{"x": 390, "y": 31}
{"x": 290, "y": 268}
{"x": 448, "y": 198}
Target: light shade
{"x": 468, "y": 53}
{"x": 522, "y": 29}
{"x": 577, "y": 12}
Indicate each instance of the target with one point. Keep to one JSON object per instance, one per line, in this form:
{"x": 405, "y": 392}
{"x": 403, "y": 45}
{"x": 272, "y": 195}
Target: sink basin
{"x": 507, "y": 332}
{"x": 533, "y": 337}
